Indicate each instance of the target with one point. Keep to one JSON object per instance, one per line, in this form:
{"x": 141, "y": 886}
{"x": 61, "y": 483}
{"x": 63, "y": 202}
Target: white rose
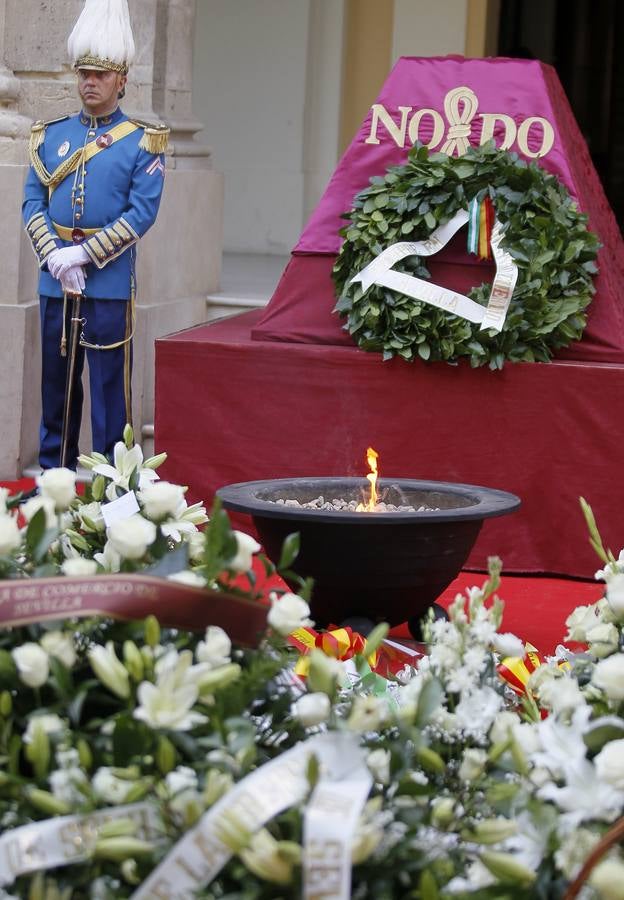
{"x": 9, "y": 534}
{"x": 608, "y": 879}
{"x": 182, "y": 788}
{"x": 132, "y": 536}
{"x": 190, "y": 579}
{"x": 610, "y": 763}
{"x": 615, "y": 595}
{"x": 60, "y": 646}
{"x": 246, "y": 547}
{"x": 161, "y": 499}
{"x": 78, "y": 567}
{"x": 33, "y": 506}
{"x": 108, "y": 786}
{"x": 215, "y": 649}
{"x": 473, "y": 764}
{"x": 502, "y": 726}
{"x": 561, "y": 695}
{"x": 288, "y": 613}
{"x": 92, "y": 512}
{"x": 609, "y": 676}
{"x": 603, "y": 640}
{"x": 32, "y": 664}
{"x": 59, "y": 485}
{"x": 311, "y": 709}
{"x": 580, "y": 621}
{"x": 508, "y": 644}
{"x": 378, "y": 762}
{"x": 527, "y": 737}
{"x": 48, "y": 723}
{"x": 196, "y": 545}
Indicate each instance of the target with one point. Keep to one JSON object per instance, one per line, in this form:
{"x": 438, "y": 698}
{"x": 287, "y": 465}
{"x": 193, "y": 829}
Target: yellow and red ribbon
{"x": 344, "y": 644}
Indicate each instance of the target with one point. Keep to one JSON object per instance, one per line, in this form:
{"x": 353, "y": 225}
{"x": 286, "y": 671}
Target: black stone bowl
{"x": 380, "y": 566}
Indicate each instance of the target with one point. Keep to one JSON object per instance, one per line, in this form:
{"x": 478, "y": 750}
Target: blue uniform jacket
{"x": 118, "y": 199}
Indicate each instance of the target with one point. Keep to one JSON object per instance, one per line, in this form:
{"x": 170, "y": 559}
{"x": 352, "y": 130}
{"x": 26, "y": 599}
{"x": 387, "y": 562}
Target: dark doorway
{"x": 582, "y": 39}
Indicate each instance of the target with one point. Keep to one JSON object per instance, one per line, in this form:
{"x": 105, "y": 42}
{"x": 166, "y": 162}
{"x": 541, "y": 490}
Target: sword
{"x": 74, "y": 337}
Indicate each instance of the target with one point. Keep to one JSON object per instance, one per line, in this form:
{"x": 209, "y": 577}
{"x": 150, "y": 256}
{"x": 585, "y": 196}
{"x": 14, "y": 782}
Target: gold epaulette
{"x": 37, "y": 132}
{"x": 155, "y": 136}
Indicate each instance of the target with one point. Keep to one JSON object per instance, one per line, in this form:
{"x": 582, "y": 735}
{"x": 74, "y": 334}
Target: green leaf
{"x": 131, "y": 739}
{"x": 424, "y": 350}
{"x": 35, "y": 530}
{"x": 428, "y": 701}
{"x": 290, "y": 551}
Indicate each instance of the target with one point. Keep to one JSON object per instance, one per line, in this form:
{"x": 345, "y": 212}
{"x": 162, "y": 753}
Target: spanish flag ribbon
{"x": 343, "y": 644}
{"x": 480, "y": 225}
{"x": 516, "y": 670}
{"x": 339, "y": 643}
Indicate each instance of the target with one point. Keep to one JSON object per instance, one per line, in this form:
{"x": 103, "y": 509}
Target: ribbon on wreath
{"x": 480, "y": 226}
{"x": 380, "y": 272}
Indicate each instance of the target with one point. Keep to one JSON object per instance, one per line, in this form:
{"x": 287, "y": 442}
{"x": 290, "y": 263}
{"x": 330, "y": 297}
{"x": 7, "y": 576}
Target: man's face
{"x": 99, "y": 91}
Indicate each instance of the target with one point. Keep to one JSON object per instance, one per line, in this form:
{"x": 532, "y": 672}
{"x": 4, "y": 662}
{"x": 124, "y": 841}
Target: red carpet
{"x": 536, "y": 607}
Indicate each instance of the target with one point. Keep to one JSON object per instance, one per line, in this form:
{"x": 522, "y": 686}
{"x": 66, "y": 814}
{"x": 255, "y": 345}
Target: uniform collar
{"x": 101, "y": 121}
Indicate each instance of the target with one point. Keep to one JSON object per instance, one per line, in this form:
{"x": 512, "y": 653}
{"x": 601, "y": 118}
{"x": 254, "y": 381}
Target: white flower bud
{"x": 215, "y": 649}
{"x": 49, "y": 723}
{"x": 132, "y": 536}
{"x": 78, "y": 567}
{"x": 59, "y": 485}
{"x": 288, "y": 613}
{"x": 311, "y": 709}
{"x": 609, "y": 676}
{"x": 161, "y": 499}
{"x": 378, "y": 762}
{"x": 111, "y": 672}
{"x": 32, "y": 506}
{"x": 615, "y": 595}
{"x": 246, "y": 547}
{"x": 190, "y": 579}
{"x": 610, "y": 763}
{"x": 9, "y": 535}
{"x": 32, "y": 664}
{"x": 60, "y": 646}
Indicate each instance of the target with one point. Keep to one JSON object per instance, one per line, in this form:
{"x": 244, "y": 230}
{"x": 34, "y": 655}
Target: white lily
{"x": 126, "y": 462}
{"x": 185, "y": 521}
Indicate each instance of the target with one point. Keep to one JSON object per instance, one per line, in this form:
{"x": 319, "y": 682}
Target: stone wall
{"x": 178, "y": 260}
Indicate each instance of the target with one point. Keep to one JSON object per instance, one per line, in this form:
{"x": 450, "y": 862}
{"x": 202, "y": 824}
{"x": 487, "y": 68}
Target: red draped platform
{"x": 230, "y": 409}
{"x": 286, "y": 393}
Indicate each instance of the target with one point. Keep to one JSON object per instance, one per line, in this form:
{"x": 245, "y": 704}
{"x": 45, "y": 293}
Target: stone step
{"x": 248, "y": 281}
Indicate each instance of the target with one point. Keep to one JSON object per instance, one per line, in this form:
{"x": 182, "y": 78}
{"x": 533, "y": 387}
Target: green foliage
{"x": 544, "y": 233}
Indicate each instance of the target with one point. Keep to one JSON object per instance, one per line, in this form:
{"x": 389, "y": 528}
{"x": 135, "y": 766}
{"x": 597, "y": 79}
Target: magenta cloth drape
{"x": 525, "y": 91}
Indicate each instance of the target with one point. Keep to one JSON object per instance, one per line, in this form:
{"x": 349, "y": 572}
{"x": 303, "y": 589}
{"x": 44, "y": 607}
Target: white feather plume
{"x": 103, "y": 30}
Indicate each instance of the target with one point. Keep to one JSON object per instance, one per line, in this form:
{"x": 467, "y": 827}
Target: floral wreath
{"x": 540, "y": 230}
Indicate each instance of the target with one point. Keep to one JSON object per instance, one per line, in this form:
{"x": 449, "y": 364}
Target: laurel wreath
{"x": 544, "y": 232}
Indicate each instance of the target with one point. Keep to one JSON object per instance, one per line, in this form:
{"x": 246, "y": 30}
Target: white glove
{"x": 59, "y": 261}
{"x": 73, "y": 280}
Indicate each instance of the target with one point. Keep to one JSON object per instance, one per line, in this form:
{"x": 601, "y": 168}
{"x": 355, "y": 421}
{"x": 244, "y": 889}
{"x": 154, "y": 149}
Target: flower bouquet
{"x": 151, "y": 761}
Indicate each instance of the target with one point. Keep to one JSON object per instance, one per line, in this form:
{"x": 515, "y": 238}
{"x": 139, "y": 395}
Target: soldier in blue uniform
{"x": 93, "y": 190}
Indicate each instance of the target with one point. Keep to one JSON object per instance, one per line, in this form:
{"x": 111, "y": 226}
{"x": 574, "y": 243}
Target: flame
{"x": 371, "y": 459}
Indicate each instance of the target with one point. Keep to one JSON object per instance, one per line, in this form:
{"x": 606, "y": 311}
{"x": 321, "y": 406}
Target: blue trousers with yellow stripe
{"x": 104, "y": 322}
